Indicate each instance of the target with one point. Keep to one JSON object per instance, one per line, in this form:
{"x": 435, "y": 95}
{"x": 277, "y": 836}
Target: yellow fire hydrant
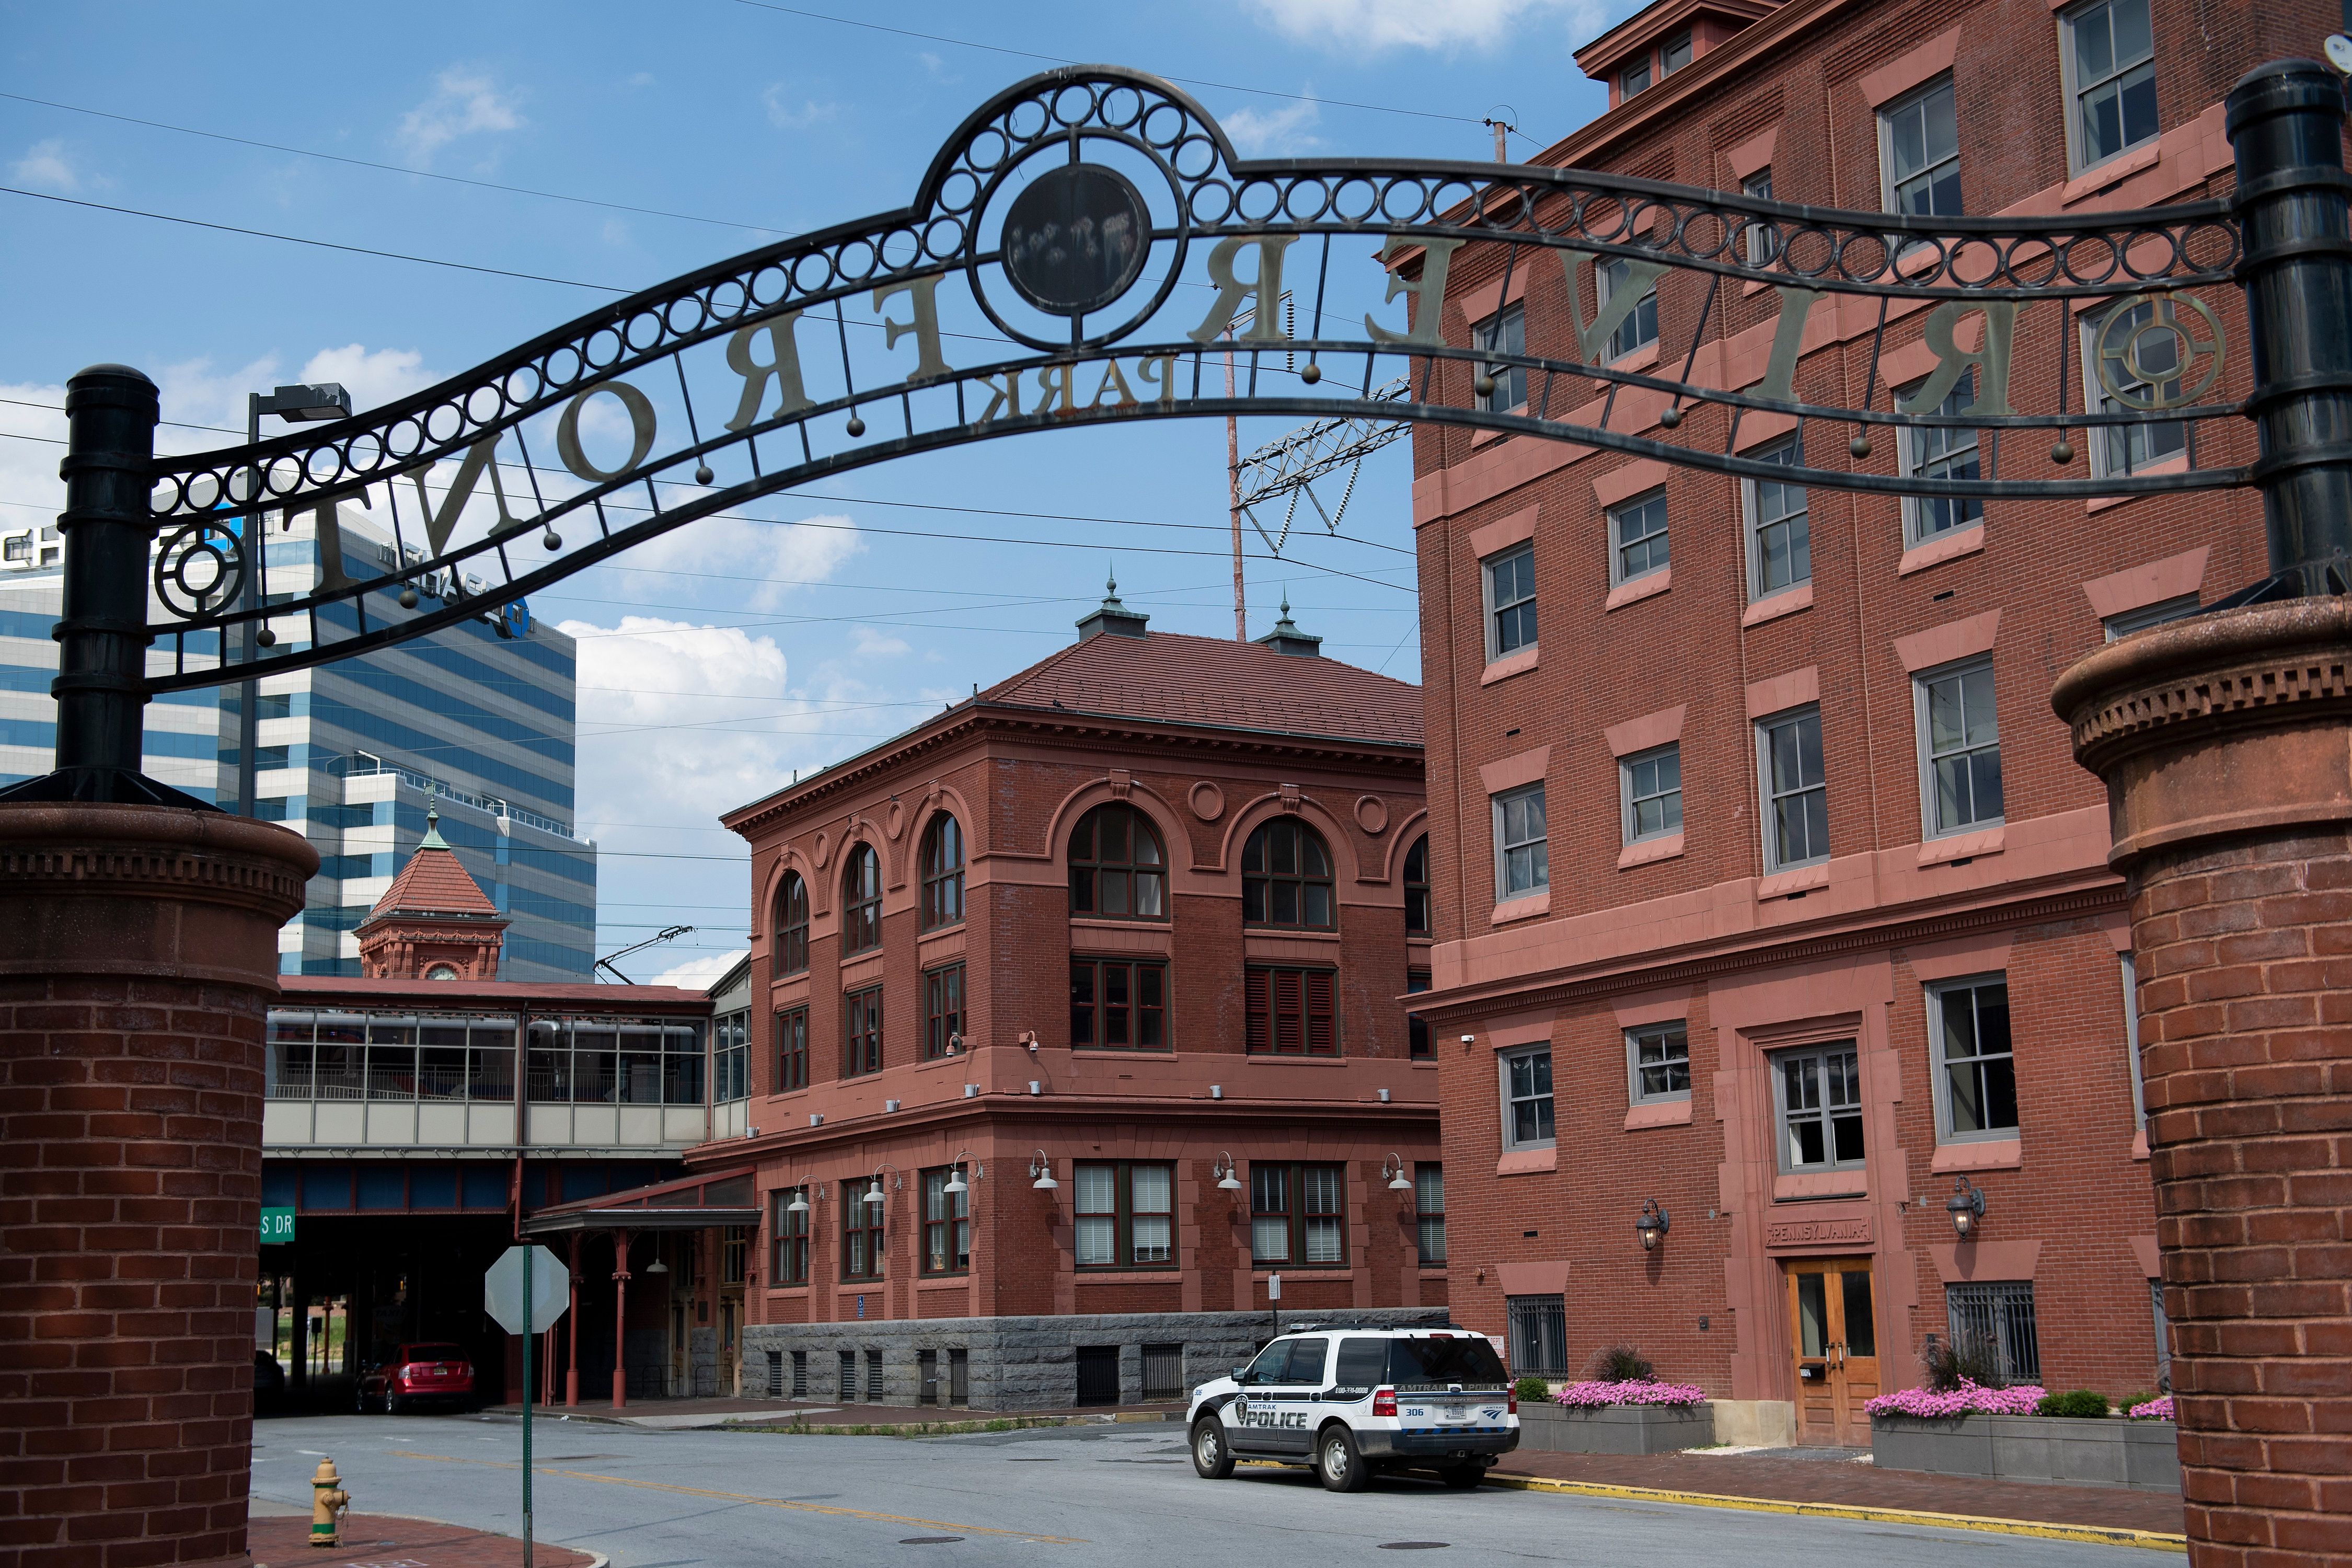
{"x": 329, "y": 1501}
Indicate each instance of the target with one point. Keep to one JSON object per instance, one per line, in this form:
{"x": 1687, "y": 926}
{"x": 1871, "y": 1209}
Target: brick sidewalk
{"x": 385, "y": 1541}
{"x": 1860, "y": 1485}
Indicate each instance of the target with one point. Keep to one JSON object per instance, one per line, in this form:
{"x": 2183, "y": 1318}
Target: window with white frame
{"x": 2109, "y": 51}
{"x": 1650, "y": 784}
{"x": 1780, "y": 527}
{"x": 1640, "y": 326}
{"x": 1526, "y": 1097}
{"x": 1796, "y": 789}
{"x": 1522, "y": 858}
{"x": 1763, "y": 244}
{"x": 1657, "y": 1063}
{"x": 1942, "y": 452}
{"x": 1510, "y": 580}
{"x": 1504, "y": 332}
{"x": 1920, "y": 153}
{"x": 1818, "y": 1090}
{"x": 1637, "y": 538}
{"x": 2119, "y": 627}
{"x": 1960, "y": 749}
{"x": 1976, "y": 1075}
{"x": 2130, "y": 967}
{"x": 2120, "y": 342}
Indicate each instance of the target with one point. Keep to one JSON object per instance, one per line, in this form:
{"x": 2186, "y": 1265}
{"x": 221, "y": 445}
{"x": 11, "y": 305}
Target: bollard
{"x": 329, "y": 1503}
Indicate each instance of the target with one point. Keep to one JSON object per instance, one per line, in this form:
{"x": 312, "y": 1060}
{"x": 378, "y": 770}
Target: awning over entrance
{"x": 721, "y": 1197}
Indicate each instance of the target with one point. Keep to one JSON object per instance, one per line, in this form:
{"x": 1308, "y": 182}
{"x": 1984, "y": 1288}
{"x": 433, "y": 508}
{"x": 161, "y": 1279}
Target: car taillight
{"x": 1512, "y": 1399}
{"x": 1384, "y": 1402}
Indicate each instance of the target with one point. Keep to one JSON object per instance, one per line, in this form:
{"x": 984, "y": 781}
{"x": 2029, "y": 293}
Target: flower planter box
{"x": 1548, "y": 1428}
{"x": 2144, "y": 1456}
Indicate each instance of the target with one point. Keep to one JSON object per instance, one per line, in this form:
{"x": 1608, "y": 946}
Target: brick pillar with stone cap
{"x": 138, "y": 955}
{"x": 2226, "y": 746}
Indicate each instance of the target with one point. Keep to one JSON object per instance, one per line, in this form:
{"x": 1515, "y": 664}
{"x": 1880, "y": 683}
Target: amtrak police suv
{"x": 1345, "y": 1402}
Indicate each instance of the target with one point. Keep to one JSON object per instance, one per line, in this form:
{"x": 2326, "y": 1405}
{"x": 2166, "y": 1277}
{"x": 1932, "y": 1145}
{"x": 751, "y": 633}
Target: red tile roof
{"x": 1169, "y": 677}
{"x": 432, "y": 883}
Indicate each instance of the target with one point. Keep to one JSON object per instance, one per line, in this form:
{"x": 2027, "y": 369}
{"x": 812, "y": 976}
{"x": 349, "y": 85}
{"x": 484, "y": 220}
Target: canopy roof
{"x": 692, "y": 1202}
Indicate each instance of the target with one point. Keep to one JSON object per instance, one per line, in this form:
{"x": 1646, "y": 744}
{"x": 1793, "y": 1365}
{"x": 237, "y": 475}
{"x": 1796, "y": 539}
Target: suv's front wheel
{"x": 1338, "y": 1464}
{"x": 1212, "y": 1457}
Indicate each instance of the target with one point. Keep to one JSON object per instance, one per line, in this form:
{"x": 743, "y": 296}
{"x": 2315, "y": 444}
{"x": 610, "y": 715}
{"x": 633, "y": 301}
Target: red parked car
{"x": 417, "y": 1375}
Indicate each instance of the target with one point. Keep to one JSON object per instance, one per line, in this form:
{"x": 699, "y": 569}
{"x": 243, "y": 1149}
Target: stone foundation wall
{"x": 1027, "y": 1363}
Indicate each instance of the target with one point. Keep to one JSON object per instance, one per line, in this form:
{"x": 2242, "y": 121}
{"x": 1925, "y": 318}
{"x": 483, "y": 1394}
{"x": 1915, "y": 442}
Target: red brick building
{"x": 1092, "y": 982}
{"x": 1766, "y": 888}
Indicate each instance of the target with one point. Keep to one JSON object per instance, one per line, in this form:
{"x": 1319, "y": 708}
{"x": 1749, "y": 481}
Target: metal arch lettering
{"x": 790, "y": 399}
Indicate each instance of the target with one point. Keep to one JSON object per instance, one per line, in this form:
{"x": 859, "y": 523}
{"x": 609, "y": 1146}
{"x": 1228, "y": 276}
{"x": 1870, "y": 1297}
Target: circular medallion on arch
{"x": 1076, "y": 239}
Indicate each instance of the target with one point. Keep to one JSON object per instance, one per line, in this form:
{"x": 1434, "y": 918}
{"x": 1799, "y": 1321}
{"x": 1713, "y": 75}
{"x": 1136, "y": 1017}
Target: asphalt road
{"x": 1075, "y": 1496}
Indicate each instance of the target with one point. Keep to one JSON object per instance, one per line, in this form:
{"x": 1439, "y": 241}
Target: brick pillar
{"x": 2226, "y": 746}
{"x": 137, "y": 951}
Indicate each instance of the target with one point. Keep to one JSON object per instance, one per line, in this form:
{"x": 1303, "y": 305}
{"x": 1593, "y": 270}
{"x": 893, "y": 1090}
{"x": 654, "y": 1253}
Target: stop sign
{"x": 502, "y": 1291}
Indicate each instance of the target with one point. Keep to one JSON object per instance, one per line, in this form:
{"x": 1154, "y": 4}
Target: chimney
{"x": 1288, "y": 639}
{"x": 1110, "y": 617}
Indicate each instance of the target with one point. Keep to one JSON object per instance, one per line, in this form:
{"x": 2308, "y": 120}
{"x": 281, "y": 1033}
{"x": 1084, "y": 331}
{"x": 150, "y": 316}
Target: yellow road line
{"x": 2100, "y": 1535}
{"x": 748, "y": 1498}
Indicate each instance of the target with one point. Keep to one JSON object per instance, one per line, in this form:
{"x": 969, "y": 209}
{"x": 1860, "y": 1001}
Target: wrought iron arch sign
{"x": 1063, "y": 216}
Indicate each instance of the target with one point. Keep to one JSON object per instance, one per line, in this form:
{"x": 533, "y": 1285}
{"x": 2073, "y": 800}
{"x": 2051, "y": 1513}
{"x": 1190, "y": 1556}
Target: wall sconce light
{"x": 1966, "y": 1205}
{"x": 1653, "y": 1224}
{"x": 807, "y": 1193}
{"x": 1393, "y": 1168}
{"x": 873, "y": 1194}
{"x": 956, "y": 1184}
{"x": 1042, "y": 1169}
{"x": 1227, "y": 1178}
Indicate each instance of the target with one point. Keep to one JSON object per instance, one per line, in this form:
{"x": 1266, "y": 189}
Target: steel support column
{"x": 2285, "y": 124}
{"x": 620, "y": 1239}
{"x": 101, "y": 686}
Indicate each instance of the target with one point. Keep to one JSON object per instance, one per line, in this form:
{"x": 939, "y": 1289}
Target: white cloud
{"x": 700, "y": 974}
{"x": 768, "y": 558}
{"x": 1274, "y": 130}
{"x": 667, "y": 734}
{"x": 44, "y": 163}
{"x": 787, "y": 116}
{"x": 1361, "y": 25}
{"x": 463, "y": 103}
{"x": 873, "y": 643}
{"x": 372, "y": 377}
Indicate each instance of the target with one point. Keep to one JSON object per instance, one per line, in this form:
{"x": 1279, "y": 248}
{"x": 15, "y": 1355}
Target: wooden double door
{"x": 1833, "y": 1330}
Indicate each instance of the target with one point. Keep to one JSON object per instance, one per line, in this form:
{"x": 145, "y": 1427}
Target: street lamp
{"x": 1652, "y": 1226}
{"x": 298, "y": 405}
{"x": 1966, "y": 1205}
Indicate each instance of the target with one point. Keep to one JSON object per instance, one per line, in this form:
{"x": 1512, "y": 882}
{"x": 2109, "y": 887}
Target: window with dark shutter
{"x": 1291, "y": 1012}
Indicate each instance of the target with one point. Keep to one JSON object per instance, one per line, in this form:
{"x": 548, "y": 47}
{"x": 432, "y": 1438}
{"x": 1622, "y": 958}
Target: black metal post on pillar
{"x": 2286, "y": 122}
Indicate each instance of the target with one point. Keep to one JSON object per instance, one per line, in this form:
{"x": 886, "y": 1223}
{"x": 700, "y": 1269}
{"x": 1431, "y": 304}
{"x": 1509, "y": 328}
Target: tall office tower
{"x": 478, "y": 719}
{"x": 182, "y": 730}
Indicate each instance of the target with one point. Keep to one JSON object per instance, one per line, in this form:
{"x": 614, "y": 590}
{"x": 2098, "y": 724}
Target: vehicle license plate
{"x": 1454, "y": 1414}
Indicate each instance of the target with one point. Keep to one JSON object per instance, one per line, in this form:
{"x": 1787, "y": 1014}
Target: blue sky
{"x": 721, "y": 657}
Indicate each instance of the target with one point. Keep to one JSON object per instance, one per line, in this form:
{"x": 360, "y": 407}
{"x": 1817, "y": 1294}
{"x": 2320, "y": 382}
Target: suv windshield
{"x": 1470, "y": 1360}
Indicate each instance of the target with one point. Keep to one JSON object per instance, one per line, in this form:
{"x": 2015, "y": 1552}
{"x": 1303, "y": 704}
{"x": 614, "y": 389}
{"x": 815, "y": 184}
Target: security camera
{"x": 955, "y": 1044}
{"x": 1029, "y": 1038}
{"x": 1469, "y": 1039}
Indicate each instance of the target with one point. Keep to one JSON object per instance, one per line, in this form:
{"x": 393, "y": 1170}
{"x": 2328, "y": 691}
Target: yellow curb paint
{"x": 900, "y": 1519}
{"x": 2099, "y": 1534}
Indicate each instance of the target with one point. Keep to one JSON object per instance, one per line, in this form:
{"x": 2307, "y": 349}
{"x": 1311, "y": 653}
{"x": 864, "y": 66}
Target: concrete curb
{"x": 2097, "y": 1534}
{"x": 784, "y": 1424}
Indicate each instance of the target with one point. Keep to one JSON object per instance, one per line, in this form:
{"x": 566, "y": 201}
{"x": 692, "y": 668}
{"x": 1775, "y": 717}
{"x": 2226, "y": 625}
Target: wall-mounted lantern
{"x": 1653, "y": 1224}
{"x": 1966, "y": 1205}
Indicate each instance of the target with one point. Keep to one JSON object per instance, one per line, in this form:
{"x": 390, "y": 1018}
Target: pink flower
{"x": 2157, "y": 1409}
{"x": 1969, "y": 1399}
{"x": 1591, "y": 1395}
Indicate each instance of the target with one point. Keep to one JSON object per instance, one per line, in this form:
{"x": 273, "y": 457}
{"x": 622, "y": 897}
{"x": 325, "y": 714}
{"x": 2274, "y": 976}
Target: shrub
{"x": 2081, "y": 1403}
{"x": 1950, "y": 1365}
{"x": 2157, "y": 1409}
{"x": 1532, "y": 1388}
{"x": 1619, "y": 1364}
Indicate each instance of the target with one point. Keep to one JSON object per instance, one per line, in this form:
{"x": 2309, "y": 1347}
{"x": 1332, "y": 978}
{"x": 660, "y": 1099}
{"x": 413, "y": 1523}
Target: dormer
{"x": 1655, "y": 43}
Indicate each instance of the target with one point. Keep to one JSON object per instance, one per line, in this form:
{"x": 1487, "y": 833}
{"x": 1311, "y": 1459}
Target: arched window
{"x": 861, "y": 900}
{"x": 792, "y": 925}
{"x": 1287, "y": 877}
{"x": 942, "y": 873}
{"x": 1416, "y": 888}
{"x": 1117, "y": 866}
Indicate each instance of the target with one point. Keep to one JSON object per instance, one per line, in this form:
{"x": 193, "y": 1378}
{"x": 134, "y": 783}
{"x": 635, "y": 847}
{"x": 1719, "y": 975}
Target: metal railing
{"x": 365, "y": 765}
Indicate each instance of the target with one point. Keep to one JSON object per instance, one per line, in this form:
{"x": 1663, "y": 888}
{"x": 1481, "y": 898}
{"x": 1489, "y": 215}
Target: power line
{"x": 396, "y": 168}
{"x": 1061, "y": 60}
